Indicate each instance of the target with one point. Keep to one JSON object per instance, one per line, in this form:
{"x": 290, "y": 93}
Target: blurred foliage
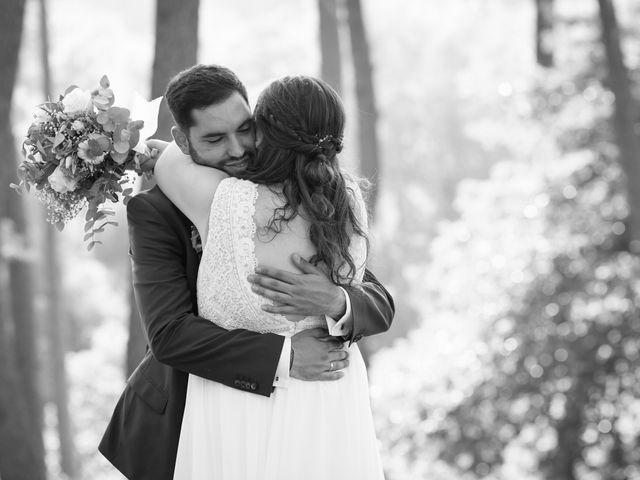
{"x": 527, "y": 361}
{"x": 447, "y": 115}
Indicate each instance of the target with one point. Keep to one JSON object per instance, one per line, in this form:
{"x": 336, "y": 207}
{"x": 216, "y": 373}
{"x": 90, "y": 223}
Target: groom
{"x": 142, "y": 437}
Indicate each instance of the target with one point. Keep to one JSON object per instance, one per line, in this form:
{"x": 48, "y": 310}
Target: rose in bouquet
{"x": 77, "y": 152}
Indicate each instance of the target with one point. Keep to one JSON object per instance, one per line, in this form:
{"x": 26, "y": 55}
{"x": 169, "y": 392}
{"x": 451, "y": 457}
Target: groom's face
{"x": 221, "y": 133}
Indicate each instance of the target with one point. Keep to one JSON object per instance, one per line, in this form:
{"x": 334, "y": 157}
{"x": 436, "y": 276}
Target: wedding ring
{"x": 331, "y": 367}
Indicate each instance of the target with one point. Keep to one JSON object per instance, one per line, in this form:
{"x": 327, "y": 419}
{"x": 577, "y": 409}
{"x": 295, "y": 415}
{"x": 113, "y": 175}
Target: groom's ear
{"x": 181, "y": 139}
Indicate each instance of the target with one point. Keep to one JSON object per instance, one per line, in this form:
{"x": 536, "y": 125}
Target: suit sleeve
{"x": 176, "y": 336}
{"x": 372, "y": 307}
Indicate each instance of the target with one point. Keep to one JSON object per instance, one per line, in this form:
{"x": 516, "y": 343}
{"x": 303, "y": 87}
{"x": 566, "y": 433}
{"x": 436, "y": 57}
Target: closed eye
{"x": 246, "y": 126}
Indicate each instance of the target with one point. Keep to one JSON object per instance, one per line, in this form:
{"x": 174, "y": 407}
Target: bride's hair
{"x": 301, "y": 120}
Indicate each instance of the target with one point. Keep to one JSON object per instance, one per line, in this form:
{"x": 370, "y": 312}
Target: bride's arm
{"x": 189, "y": 186}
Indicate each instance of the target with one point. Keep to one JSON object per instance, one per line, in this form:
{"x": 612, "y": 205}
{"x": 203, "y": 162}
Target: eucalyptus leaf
{"x": 102, "y": 117}
{"x": 121, "y": 147}
{"x": 59, "y": 138}
{"x": 69, "y": 89}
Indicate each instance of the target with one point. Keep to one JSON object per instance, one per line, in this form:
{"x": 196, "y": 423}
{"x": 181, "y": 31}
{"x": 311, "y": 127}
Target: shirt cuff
{"x": 282, "y": 372}
{"x": 343, "y": 326}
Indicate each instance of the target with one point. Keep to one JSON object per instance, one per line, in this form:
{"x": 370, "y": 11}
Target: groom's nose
{"x": 235, "y": 148}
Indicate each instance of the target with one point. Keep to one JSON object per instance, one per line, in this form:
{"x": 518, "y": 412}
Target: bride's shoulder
{"x": 237, "y": 190}
{"x": 354, "y": 183}
{"x": 239, "y": 181}
{"x": 357, "y": 187}
{"x": 237, "y": 184}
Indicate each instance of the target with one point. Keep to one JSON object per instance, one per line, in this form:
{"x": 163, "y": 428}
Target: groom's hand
{"x": 317, "y": 356}
{"x": 310, "y": 292}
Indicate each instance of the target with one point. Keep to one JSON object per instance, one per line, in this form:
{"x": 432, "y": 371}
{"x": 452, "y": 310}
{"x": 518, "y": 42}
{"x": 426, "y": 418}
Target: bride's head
{"x": 300, "y": 120}
{"x": 300, "y": 126}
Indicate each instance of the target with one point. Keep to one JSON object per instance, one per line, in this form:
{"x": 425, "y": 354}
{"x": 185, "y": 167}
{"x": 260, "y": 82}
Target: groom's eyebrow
{"x": 213, "y": 134}
{"x": 221, "y": 134}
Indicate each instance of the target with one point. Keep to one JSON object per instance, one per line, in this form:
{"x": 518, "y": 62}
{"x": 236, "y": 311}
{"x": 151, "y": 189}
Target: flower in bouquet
{"x": 77, "y": 152}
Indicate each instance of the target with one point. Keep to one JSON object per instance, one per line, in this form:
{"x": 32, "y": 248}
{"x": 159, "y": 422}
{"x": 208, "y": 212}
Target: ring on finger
{"x": 331, "y": 366}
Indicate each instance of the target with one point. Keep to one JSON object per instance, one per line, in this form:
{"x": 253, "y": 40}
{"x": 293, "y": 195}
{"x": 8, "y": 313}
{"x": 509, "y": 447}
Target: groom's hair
{"x": 199, "y": 87}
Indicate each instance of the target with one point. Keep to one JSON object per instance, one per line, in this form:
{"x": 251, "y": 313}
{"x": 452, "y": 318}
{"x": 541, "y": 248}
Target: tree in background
{"x": 176, "y": 49}
{"x": 544, "y": 32}
{"x": 21, "y": 443}
{"x": 331, "y": 71}
{"x": 625, "y": 116}
{"x": 56, "y": 328}
{"x": 365, "y": 101}
{"x": 330, "y": 52}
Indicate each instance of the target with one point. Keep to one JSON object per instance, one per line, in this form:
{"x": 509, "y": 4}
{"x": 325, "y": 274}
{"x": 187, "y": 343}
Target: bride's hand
{"x": 147, "y": 161}
{"x": 159, "y": 145}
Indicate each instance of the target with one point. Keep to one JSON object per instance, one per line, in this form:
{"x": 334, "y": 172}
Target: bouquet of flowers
{"x": 77, "y": 152}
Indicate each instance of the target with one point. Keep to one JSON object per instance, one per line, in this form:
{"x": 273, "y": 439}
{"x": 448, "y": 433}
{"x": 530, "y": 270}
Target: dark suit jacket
{"x": 141, "y": 439}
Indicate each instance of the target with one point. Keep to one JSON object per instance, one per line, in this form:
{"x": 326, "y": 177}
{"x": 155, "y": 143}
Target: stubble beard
{"x": 231, "y": 166}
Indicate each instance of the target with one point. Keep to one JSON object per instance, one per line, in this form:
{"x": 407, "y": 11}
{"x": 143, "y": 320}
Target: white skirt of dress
{"x": 307, "y": 430}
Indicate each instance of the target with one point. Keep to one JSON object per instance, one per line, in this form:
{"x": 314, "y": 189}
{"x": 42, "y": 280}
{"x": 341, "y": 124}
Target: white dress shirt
{"x": 337, "y": 328}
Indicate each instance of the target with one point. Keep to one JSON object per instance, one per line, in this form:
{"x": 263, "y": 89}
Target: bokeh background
{"x": 503, "y": 139}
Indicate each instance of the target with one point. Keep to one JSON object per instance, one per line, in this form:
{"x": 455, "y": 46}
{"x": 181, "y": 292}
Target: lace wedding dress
{"x": 306, "y": 430}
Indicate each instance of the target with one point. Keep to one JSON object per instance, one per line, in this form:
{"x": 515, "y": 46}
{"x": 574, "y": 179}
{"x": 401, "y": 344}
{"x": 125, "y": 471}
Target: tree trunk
{"x": 367, "y": 117}
{"x": 365, "y": 99}
{"x": 57, "y": 347}
{"x": 21, "y": 443}
{"x": 176, "y": 49}
{"x": 55, "y": 326}
{"x": 21, "y": 458}
{"x": 544, "y": 32}
{"x": 562, "y": 460}
{"x": 624, "y": 117}
{"x": 330, "y": 66}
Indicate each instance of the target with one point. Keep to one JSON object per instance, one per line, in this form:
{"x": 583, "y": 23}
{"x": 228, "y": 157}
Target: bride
{"x": 290, "y": 197}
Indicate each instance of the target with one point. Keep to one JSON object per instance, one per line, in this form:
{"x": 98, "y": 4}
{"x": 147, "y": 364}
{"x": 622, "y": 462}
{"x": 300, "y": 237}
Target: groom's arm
{"x": 372, "y": 307}
{"x": 177, "y": 337}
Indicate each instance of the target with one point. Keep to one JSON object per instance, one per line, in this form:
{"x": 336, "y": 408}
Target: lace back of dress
{"x": 224, "y": 295}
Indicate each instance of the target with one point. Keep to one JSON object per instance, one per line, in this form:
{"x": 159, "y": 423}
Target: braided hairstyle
{"x": 301, "y": 120}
